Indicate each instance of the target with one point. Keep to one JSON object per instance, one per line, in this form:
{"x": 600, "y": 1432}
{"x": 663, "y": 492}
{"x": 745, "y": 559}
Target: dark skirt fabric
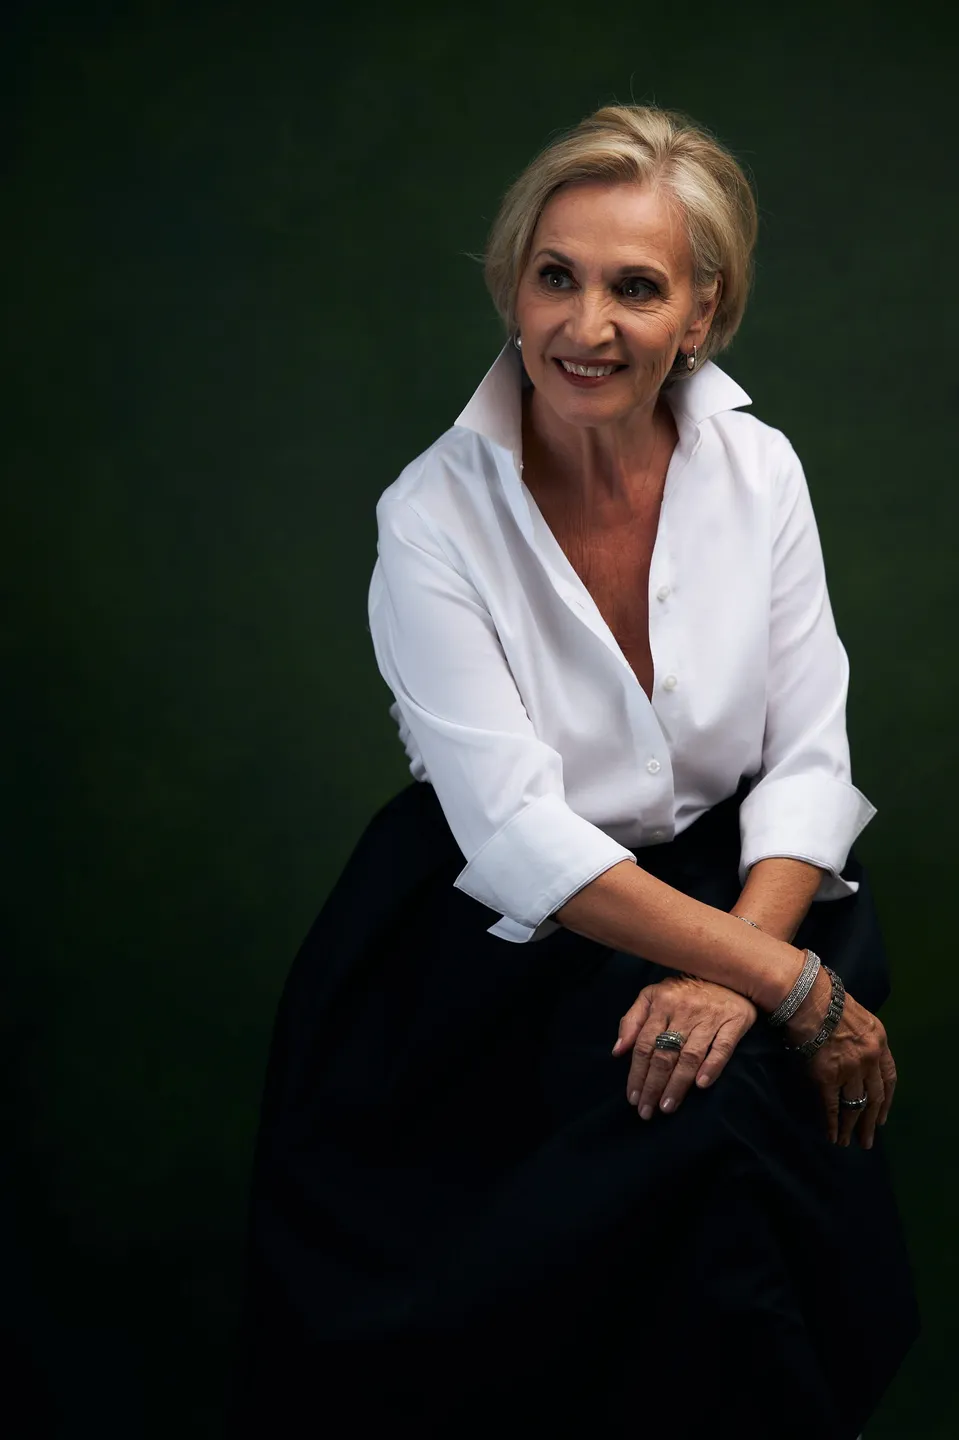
{"x": 459, "y": 1223}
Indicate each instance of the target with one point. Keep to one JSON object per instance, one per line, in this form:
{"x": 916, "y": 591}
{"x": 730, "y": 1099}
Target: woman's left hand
{"x": 713, "y": 1019}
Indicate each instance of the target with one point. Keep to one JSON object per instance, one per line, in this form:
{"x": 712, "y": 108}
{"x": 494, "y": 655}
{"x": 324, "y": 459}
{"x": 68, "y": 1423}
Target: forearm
{"x": 777, "y": 894}
{"x": 628, "y": 909}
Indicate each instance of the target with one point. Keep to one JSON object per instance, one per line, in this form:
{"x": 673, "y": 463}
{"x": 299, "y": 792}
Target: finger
{"x": 661, "y": 1067}
{"x": 875, "y": 1089}
{"x": 887, "y": 1067}
{"x": 634, "y": 1020}
{"x": 849, "y": 1119}
{"x": 644, "y": 1048}
{"x": 687, "y": 1066}
{"x": 725, "y": 1040}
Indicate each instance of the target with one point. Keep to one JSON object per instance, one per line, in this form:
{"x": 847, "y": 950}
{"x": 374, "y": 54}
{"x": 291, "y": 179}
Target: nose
{"x": 590, "y": 325}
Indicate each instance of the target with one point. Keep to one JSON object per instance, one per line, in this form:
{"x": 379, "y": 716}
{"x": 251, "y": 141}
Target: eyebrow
{"x": 633, "y": 269}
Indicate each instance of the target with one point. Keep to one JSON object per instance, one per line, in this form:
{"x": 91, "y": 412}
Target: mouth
{"x": 586, "y": 376}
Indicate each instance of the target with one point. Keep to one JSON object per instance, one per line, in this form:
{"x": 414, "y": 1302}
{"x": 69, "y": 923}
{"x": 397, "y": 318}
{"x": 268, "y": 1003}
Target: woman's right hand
{"x": 855, "y": 1060}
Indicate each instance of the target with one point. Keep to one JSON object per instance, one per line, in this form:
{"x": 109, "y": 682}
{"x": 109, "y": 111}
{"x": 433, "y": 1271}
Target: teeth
{"x": 588, "y": 369}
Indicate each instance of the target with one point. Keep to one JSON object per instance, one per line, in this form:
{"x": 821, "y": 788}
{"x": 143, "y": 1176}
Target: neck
{"x": 598, "y": 466}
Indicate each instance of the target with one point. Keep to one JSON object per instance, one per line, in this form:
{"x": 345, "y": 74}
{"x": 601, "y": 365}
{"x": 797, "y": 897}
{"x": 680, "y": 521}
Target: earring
{"x": 691, "y": 359}
{"x": 518, "y": 340}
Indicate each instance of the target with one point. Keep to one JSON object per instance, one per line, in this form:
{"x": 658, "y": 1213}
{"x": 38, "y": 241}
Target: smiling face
{"x": 609, "y": 281}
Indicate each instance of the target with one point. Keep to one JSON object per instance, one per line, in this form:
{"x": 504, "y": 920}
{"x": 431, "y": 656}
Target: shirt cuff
{"x": 814, "y": 818}
{"x": 507, "y": 929}
{"x": 534, "y": 863}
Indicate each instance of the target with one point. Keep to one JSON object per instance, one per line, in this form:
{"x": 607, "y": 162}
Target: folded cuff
{"x": 533, "y": 864}
{"x": 815, "y": 818}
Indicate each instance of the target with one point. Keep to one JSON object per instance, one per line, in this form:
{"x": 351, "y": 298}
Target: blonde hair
{"x": 647, "y": 145}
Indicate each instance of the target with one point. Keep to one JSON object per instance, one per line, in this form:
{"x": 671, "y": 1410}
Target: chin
{"x": 584, "y": 408}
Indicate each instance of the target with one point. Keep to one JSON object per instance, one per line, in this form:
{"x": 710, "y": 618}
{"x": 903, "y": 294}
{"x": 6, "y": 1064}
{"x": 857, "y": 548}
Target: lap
{"x": 452, "y": 1193}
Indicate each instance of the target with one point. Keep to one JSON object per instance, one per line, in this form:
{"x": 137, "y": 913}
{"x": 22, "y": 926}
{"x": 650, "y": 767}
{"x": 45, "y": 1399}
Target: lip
{"x": 590, "y": 360}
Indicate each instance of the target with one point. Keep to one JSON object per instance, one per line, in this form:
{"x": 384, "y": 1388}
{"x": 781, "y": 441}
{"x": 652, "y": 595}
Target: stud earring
{"x": 518, "y": 340}
{"x": 691, "y": 359}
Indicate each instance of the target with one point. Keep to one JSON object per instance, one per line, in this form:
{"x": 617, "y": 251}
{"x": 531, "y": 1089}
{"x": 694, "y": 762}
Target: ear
{"x": 706, "y": 310}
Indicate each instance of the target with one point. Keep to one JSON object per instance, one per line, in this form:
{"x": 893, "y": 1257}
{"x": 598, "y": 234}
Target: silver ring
{"x": 859, "y": 1104}
{"x": 670, "y": 1040}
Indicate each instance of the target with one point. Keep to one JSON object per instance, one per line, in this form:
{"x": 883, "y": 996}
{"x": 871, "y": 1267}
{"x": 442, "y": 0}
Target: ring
{"x": 670, "y": 1040}
{"x": 859, "y": 1104}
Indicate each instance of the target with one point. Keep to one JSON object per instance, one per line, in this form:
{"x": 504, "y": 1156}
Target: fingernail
{"x": 703, "y": 1081}
{"x": 867, "y": 1145}
{"x": 668, "y": 1105}
{"x": 634, "y": 1097}
{"x": 615, "y": 1047}
{"x": 646, "y": 1112}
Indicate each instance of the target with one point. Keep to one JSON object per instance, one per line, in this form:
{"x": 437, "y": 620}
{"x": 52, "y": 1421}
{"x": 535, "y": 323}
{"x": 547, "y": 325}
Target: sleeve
{"x": 804, "y": 804}
{"x": 499, "y": 785}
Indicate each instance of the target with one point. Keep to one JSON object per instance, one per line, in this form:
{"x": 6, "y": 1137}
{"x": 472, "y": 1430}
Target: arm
{"x": 803, "y": 805}
{"x": 501, "y": 787}
{"x": 777, "y": 895}
{"x": 631, "y": 910}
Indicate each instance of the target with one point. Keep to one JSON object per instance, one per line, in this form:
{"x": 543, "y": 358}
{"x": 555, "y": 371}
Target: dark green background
{"x": 240, "y": 302}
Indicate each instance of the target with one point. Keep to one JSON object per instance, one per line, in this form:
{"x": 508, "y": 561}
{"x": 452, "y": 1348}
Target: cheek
{"x": 657, "y": 332}
{"x": 536, "y": 313}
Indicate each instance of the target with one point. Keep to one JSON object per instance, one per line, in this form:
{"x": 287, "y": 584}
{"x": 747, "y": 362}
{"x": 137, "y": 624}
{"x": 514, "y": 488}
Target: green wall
{"x": 235, "y": 244}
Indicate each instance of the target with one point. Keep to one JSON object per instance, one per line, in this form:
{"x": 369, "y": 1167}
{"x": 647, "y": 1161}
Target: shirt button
{"x": 662, "y": 592}
{"x": 670, "y": 682}
{"x": 653, "y": 766}
{"x": 657, "y": 834}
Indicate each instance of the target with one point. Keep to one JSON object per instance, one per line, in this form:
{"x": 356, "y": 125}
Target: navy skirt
{"x": 459, "y": 1223}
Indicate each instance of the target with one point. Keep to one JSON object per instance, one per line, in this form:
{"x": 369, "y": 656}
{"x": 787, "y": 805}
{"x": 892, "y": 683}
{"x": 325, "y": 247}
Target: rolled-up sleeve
{"x": 804, "y": 804}
{"x": 499, "y": 785}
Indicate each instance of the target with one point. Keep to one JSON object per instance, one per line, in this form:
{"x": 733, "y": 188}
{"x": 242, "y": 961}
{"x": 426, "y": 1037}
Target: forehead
{"x": 611, "y": 224}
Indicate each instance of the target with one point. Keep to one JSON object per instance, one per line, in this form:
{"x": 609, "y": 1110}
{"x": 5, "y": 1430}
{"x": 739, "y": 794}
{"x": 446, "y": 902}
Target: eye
{"x": 552, "y": 277}
{"x": 637, "y": 287}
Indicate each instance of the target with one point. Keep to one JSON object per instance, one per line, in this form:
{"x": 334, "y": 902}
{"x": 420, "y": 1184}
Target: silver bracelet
{"x": 807, "y": 979}
{"x": 800, "y": 990}
{"x": 833, "y": 1016}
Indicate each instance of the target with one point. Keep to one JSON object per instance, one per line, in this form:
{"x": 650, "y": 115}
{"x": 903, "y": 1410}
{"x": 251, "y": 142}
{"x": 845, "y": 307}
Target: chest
{"x": 612, "y": 559}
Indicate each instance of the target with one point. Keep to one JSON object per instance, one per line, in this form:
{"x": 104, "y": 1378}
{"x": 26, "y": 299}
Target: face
{"x": 608, "y": 282}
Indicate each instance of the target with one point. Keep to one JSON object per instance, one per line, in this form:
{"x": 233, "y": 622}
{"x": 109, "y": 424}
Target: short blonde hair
{"x": 647, "y": 145}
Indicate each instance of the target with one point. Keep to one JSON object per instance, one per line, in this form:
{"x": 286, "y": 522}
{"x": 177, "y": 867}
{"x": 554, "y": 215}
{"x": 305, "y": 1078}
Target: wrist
{"x": 808, "y": 1019}
{"x": 778, "y": 983}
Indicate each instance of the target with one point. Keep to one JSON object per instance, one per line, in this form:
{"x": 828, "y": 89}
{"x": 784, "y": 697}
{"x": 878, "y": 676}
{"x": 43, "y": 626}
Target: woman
{"x": 600, "y": 605}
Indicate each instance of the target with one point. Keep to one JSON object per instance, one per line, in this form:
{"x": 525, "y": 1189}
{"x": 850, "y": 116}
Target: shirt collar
{"x": 495, "y": 412}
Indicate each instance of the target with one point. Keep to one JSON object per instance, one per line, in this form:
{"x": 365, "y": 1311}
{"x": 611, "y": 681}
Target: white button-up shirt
{"x": 514, "y": 700}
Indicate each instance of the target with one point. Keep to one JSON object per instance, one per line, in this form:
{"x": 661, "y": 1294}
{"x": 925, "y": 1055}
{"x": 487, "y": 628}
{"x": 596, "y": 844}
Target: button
{"x": 670, "y": 682}
{"x": 657, "y": 834}
{"x": 662, "y": 592}
{"x": 653, "y": 766}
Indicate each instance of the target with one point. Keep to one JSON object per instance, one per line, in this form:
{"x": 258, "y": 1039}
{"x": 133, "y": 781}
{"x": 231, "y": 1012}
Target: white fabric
{"x": 515, "y": 702}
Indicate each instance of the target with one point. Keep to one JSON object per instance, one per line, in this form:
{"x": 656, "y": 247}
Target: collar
{"x": 494, "y": 409}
